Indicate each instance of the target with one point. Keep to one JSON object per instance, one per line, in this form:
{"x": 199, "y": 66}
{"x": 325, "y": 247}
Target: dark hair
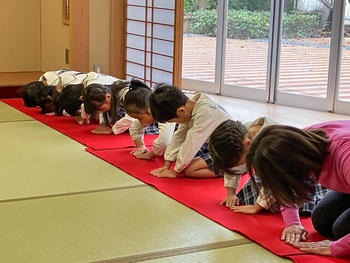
{"x": 30, "y": 93}
{"x": 137, "y": 98}
{"x": 226, "y": 144}
{"x": 165, "y": 101}
{"x": 288, "y": 161}
{"x": 48, "y": 99}
{"x": 69, "y": 99}
{"x": 94, "y": 95}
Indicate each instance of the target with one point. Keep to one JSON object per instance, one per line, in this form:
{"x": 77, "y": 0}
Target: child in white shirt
{"x": 52, "y": 79}
{"x": 136, "y": 104}
{"x": 107, "y": 101}
{"x": 197, "y": 118}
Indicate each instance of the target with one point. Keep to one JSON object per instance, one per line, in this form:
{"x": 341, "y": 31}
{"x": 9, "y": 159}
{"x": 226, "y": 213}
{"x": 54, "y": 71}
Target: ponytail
{"x": 137, "y": 98}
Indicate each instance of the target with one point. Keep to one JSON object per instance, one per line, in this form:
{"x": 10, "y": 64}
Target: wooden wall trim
{"x": 179, "y": 21}
{"x": 118, "y": 39}
{"x": 79, "y": 35}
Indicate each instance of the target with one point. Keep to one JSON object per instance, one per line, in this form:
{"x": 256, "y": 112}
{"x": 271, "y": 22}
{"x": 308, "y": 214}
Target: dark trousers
{"x": 331, "y": 216}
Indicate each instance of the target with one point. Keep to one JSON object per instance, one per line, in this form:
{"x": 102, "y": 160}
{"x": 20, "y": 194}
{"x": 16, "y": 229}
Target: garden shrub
{"x": 245, "y": 24}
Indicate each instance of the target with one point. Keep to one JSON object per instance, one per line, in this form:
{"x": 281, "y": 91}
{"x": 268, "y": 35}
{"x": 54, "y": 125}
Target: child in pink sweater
{"x": 289, "y": 161}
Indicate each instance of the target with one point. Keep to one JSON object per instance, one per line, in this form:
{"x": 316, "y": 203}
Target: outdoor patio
{"x": 303, "y": 65}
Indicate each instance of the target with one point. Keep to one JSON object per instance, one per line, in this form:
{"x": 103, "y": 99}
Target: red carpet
{"x": 81, "y": 133}
{"x": 203, "y": 196}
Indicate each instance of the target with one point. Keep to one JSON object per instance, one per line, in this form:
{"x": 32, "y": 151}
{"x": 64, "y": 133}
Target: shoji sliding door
{"x": 150, "y": 34}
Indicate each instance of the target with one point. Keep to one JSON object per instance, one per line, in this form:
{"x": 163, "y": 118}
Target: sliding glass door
{"x": 201, "y": 40}
{"x": 245, "y": 71}
{"x": 304, "y": 54}
{"x": 287, "y": 52}
{"x": 342, "y": 94}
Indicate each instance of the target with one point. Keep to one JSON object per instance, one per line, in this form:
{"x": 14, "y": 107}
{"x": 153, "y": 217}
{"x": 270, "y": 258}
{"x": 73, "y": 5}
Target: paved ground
{"x": 303, "y": 67}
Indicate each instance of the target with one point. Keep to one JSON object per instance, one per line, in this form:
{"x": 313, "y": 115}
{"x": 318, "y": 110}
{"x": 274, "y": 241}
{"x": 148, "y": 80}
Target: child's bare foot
{"x": 102, "y": 130}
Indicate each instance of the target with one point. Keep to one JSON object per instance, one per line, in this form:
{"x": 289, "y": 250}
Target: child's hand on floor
{"x": 102, "y": 129}
{"x": 140, "y": 150}
{"x": 230, "y": 201}
{"x": 164, "y": 172}
{"x": 247, "y": 209}
{"x": 145, "y": 156}
{"x": 294, "y": 233}
{"x": 320, "y": 247}
{"x": 81, "y": 120}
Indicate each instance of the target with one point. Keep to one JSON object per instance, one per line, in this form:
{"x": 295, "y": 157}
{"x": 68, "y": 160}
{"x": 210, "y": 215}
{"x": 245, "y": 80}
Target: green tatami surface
{"x": 7, "y": 113}
{"x": 120, "y": 224}
{"x": 38, "y": 161}
{"x": 59, "y": 203}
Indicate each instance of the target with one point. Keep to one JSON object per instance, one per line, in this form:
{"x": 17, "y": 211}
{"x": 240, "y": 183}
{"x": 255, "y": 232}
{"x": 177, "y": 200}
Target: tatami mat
{"x": 120, "y": 224}
{"x": 39, "y": 161}
{"x": 8, "y": 113}
{"x": 247, "y": 253}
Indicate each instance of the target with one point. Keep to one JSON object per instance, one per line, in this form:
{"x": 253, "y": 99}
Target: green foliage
{"x": 299, "y": 25}
{"x": 188, "y": 6}
{"x": 251, "y": 5}
{"x": 195, "y": 5}
{"x": 204, "y": 22}
{"x": 245, "y": 24}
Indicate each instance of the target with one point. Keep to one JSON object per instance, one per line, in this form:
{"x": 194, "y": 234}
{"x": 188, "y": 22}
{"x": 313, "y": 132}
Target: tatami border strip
{"x": 177, "y": 251}
{"x": 72, "y": 193}
{"x": 15, "y": 121}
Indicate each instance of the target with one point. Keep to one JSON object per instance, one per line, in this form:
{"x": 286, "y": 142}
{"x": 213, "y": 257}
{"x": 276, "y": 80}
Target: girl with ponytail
{"x": 136, "y": 104}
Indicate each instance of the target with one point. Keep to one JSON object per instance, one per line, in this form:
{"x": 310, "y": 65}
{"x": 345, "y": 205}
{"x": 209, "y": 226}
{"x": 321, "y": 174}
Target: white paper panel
{"x": 148, "y": 59}
{"x": 135, "y": 12}
{"x": 148, "y": 73}
{"x": 135, "y": 42}
{"x": 165, "y": 3}
{"x": 136, "y": 27}
{"x": 135, "y": 70}
{"x": 135, "y": 56}
{"x": 148, "y": 83}
{"x": 162, "y": 77}
{"x": 149, "y": 44}
{"x": 149, "y": 2}
{"x": 164, "y": 32}
{"x": 163, "y": 16}
{"x": 137, "y": 2}
{"x": 162, "y": 62}
{"x": 128, "y": 78}
{"x": 149, "y": 30}
{"x": 163, "y": 47}
{"x": 149, "y": 14}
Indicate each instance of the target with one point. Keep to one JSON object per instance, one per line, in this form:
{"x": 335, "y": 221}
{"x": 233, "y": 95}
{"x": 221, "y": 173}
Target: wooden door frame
{"x": 118, "y": 39}
{"x": 79, "y": 35}
{"x": 178, "y": 42}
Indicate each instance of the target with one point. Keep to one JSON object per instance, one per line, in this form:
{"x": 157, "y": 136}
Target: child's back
{"x": 197, "y": 118}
